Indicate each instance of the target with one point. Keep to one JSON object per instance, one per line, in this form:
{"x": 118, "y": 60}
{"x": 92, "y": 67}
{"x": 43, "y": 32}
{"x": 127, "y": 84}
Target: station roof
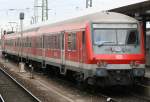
{"x": 141, "y": 9}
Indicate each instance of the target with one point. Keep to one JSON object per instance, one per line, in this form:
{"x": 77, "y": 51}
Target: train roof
{"x": 81, "y": 20}
{"x": 102, "y": 16}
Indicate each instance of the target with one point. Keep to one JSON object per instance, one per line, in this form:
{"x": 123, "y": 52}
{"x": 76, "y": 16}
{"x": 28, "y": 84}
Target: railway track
{"x": 144, "y": 88}
{"x": 123, "y": 94}
{"x": 1, "y": 99}
{"x": 126, "y": 96}
{"x": 138, "y": 93}
{"x": 13, "y": 91}
{"x": 99, "y": 95}
{"x": 105, "y": 95}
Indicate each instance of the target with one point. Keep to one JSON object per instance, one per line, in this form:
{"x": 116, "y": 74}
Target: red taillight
{"x": 99, "y": 63}
{"x": 105, "y": 64}
{"x": 134, "y": 63}
{"x": 102, "y": 64}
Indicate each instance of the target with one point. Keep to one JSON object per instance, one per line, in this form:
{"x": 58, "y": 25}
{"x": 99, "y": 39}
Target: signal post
{"x": 21, "y": 64}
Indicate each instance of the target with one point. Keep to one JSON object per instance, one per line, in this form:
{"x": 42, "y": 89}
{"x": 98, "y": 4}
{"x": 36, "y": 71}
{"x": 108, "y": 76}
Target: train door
{"x": 27, "y": 49}
{"x": 81, "y": 48}
{"x": 43, "y": 52}
{"x": 18, "y": 46}
{"x": 62, "y": 43}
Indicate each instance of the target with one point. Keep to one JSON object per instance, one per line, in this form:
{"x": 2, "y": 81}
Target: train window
{"x": 58, "y": 41}
{"x": 74, "y": 41}
{"x": 28, "y": 42}
{"x": 55, "y": 42}
{"x": 40, "y": 42}
{"x": 22, "y": 41}
{"x": 132, "y": 37}
{"x": 37, "y": 42}
{"x": 83, "y": 38}
{"x": 45, "y": 42}
{"x": 30, "y": 45}
{"x": 50, "y": 42}
{"x": 71, "y": 41}
{"x": 62, "y": 43}
{"x": 31, "y": 42}
{"x": 25, "y": 42}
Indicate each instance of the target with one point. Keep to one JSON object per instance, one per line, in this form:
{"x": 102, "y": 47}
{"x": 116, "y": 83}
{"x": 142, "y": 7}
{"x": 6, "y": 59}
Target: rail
{"x": 38, "y": 100}
{"x": 1, "y": 98}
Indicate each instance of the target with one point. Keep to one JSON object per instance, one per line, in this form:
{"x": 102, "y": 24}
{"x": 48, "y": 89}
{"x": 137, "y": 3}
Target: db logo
{"x": 119, "y": 56}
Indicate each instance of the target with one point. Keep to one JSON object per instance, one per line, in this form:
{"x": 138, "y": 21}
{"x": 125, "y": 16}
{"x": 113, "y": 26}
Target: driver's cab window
{"x": 132, "y": 37}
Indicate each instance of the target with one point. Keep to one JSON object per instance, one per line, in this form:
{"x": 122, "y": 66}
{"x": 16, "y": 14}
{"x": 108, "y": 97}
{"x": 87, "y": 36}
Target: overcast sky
{"x": 59, "y": 8}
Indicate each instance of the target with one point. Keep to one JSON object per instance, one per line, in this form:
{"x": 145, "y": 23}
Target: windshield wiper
{"x": 101, "y": 43}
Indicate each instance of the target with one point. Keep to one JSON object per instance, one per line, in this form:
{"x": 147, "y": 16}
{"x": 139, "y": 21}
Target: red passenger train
{"x": 103, "y": 48}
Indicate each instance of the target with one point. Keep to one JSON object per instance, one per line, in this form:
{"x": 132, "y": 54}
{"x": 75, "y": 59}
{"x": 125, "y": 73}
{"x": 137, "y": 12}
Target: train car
{"x": 103, "y": 48}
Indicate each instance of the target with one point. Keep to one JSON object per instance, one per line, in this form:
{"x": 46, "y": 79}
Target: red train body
{"x": 106, "y": 48}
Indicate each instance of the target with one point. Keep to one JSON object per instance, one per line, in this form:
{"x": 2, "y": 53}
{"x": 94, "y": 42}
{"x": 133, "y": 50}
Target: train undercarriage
{"x": 100, "y": 77}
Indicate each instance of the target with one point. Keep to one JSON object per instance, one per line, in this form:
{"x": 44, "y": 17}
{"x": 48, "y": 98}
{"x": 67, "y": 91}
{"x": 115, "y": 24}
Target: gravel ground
{"x": 11, "y": 92}
{"x": 51, "y": 89}
{"x": 48, "y": 89}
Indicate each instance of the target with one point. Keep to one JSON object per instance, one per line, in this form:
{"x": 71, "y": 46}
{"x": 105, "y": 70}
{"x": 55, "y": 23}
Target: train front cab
{"x": 117, "y": 52}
